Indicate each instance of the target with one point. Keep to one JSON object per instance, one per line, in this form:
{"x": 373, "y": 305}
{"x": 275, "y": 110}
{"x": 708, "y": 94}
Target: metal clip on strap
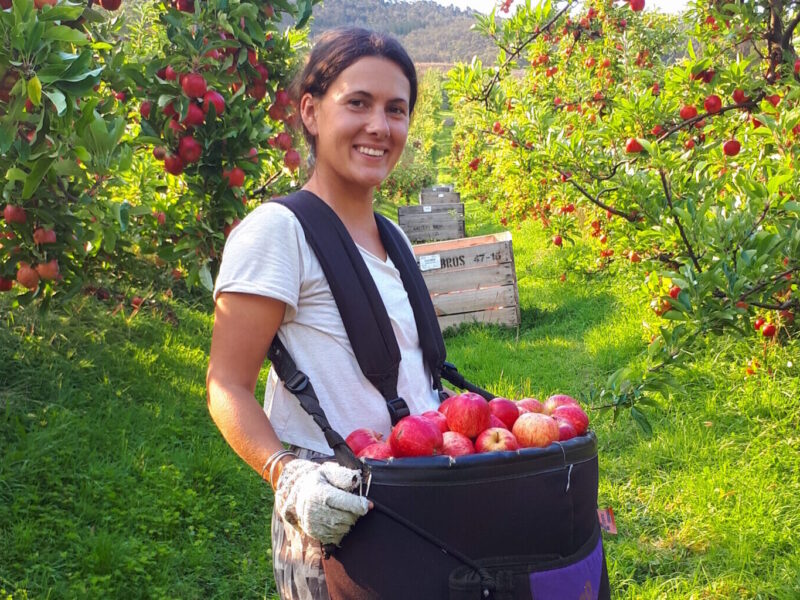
{"x": 397, "y": 409}
{"x": 297, "y": 382}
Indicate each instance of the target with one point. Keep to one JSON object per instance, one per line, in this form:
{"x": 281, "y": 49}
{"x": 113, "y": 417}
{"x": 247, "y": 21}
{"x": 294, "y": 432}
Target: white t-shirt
{"x": 267, "y": 254}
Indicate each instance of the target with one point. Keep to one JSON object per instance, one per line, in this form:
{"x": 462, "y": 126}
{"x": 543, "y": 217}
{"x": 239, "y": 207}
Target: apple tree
{"x": 89, "y": 110}
{"x": 664, "y": 146}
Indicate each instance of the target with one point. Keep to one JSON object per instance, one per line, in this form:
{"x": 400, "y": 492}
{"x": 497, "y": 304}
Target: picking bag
{"x": 527, "y": 520}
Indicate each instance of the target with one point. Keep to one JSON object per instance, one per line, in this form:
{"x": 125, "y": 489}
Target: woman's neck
{"x": 352, "y": 206}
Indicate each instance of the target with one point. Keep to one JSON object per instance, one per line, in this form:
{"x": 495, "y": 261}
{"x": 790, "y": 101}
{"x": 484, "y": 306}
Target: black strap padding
{"x": 298, "y": 384}
{"x": 360, "y": 305}
{"x": 428, "y": 330}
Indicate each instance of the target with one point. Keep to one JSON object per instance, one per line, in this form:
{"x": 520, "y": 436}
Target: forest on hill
{"x": 430, "y": 32}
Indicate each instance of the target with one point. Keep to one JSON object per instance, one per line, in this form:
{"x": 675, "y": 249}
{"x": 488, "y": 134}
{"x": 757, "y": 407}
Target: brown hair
{"x": 336, "y": 50}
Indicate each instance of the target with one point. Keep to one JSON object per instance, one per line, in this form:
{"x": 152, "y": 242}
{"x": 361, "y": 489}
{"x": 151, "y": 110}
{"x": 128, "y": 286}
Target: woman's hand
{"x": 317, "y": 499}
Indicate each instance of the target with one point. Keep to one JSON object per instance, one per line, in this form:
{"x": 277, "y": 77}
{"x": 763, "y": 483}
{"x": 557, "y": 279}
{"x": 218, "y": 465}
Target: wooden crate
{"x": 432, "y": 223}
{"x": 471, "y": 279}
{"x": 438, "y": 197}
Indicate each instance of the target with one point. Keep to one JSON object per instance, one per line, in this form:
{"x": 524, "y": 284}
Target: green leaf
{"x": 305, "y": 13}
{"x": 62, "y": 12}
{"x": 641, "y": 420}
{"x": 123, "y": 215}
{"x": 35, "y": 177}
{"x": 58, "y": 99}
{"x": 62, "y": 33}
{"x": 14, "y": 174}
{"x": 35, "y": 91}
{"x": 205, "y": 278}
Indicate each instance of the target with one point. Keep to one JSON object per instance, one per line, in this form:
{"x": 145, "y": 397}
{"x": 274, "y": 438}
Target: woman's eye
{"x": 357, "y": 103}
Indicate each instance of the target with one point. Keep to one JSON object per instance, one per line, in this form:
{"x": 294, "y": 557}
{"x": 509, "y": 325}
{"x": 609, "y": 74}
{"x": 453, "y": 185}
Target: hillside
{"x": 431, "y": 33}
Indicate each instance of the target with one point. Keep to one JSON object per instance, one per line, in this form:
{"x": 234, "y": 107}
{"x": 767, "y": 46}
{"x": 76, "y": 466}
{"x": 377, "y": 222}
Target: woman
{"x": 355, "y": 98}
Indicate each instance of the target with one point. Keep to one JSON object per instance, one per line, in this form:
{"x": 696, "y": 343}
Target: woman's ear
{"x": 308, "y": 112}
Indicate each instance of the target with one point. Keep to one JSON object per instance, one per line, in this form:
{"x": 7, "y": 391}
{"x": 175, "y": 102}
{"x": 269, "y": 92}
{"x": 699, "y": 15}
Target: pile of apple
{"x": 468, "y": 424}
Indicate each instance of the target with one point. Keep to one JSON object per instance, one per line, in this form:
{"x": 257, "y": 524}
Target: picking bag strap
{"x": 357, "y": 298}
{"x": 298, "y": 384}
{"x": 428, "y": 330}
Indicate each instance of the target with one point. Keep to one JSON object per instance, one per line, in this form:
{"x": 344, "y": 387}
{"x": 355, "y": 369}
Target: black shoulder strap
{"x": 360, "y": 305}
{"x": 430, "y": 335}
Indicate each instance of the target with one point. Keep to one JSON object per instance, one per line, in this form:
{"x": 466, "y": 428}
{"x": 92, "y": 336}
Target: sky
{"x": 485, "y": 6}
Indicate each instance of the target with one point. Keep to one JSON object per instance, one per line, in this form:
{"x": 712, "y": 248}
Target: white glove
{"x": 316, "y": 498}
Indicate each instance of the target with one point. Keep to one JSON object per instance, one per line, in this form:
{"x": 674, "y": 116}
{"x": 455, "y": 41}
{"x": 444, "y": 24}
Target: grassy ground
{"x": 115, "y": 483}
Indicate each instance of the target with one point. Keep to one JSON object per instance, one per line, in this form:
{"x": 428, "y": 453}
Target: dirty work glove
{"x": 316, "y": 498}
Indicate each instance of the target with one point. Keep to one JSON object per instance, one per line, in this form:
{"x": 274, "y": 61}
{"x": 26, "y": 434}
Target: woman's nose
{"x": 378, "y": 123}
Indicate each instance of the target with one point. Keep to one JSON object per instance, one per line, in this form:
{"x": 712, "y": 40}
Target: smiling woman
{"x": 355, "y": 97}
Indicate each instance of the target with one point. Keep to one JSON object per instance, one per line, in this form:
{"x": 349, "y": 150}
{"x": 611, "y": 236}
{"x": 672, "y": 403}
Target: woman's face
{"x": 360, "y": 124}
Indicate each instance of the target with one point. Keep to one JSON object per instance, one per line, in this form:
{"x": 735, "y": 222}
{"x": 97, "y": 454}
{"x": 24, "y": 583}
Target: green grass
{"x": 115, "y": 483}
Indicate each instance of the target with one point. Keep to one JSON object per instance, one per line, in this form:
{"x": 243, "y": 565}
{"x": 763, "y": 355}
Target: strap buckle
{"x": 297, "y": 382}
{"x": 397, "y": 409}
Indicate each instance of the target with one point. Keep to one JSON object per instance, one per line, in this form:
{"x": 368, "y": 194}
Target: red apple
{"x": 194, "y": 116}
{"x": 215, "y": 98}
{"x": 283, "y": 141}
{"x": 173, "y": 164}
{"x": 557, "y": 240}
{"x": 768, "y": 330}
{"x": 632, "y": 146}
{"x": 535, "y": 430}
{"x": 496, "y": 439}
{"x": 712, "y": 104}
{"x": 27, "y": 276}
{"x": 194, "y": 85}
{"x": 637, "y": 5}
{"x": 565, "y": 430}
{"x": 189, "y": 149}
{"x": 505, "y": 410}
{"x": 292, "y": 159}
{"x": 376, "y": 451}
{"x": 574, "y": 415}
{"x": 235, "y": 177}
{"x": 456, "y": 444}
{"x": 170, "y": 74}
{"x": 6, "y": 284}
{"x": 437, "y": 419}
{"x": 43, "y": 236}
{"x": 468, "y": 413}
{"x": 14, "y": 214}
{"x": 688, "y": 112}
{"x": 145, "y": 108}
{"x": 530, "y": 405}
{"x": 415, "y": 436}
{"x": 739, "y": 96}
{"x": 282, "y": 98}
{"x": 557, "y": 400}
{"x": 495, "y": 421}
{"x": 361, "y": 438}
{"x": 110, "y": 4}
{"x": 731, "y": 147}
{"x": 674, "y": 292}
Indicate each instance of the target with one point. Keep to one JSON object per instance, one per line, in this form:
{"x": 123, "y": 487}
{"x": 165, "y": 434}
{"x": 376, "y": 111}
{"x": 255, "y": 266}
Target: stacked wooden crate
{"x": 469, "y": 279}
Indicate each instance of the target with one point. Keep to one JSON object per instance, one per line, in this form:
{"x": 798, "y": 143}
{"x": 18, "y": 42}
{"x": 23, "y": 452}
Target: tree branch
{"x": 596, "y": 199}
{"x": 668, "y": 194}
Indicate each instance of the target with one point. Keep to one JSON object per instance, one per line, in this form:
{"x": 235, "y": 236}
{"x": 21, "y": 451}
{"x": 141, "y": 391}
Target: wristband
{"x": 275, "y": 464}
{"x": 274, "y": 457}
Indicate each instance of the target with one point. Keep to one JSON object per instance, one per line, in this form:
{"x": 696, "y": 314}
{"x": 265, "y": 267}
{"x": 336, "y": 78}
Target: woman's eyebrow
{"x": 371, "y": 97}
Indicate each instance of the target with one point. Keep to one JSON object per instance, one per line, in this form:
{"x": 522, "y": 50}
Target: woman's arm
{"x": 244, "y": 326}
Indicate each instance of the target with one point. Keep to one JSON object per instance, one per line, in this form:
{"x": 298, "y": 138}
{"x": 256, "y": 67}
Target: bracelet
{"x": 275, "y": 456}
{"x": 275, "y": 464}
